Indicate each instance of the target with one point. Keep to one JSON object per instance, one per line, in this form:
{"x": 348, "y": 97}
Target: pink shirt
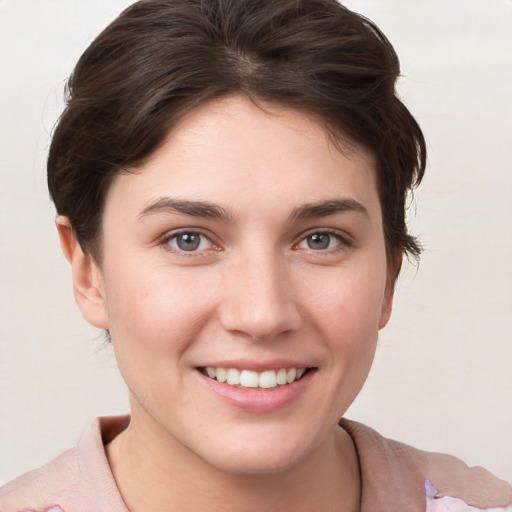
{"x": 395, "y": 478}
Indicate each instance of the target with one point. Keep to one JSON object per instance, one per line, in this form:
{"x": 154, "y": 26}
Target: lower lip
{"x": 258, "y": 400}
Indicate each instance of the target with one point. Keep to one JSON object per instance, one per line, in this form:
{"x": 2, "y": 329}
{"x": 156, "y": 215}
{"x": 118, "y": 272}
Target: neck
{"x": 155, "y": 472}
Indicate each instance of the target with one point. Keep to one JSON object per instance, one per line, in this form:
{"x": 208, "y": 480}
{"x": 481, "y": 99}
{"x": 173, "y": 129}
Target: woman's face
{"x": 249, "y": 248}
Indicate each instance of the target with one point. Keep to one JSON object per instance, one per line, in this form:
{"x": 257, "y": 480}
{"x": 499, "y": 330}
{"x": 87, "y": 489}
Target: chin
{"x": 258, "y": 462}
{"x": 266, "y": 452}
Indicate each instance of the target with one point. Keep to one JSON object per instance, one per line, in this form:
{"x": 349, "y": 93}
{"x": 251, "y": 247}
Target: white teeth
{"x": 281, "y": 377}
{"x": 233, "y": 377}
{"x": 249, "y": 379}
{"x": 291, "y": 375}
{"x": 221, "y": 375}
{"x": 268, "y": 379}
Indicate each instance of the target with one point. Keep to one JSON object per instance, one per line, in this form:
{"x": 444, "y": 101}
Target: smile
{"x": 251, "y": 379}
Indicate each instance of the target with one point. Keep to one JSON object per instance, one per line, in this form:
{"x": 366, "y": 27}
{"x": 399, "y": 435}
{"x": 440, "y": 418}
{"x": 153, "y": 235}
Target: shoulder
{"x": 43, "y": 488}
{"x": 79, "y": 480}
{"x": 390, "y": 468}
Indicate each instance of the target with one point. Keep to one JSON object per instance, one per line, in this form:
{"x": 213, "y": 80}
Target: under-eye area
{"x": 256, "y": 380}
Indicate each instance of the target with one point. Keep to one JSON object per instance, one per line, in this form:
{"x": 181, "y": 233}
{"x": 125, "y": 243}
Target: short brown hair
{"x": 161, "y": 58}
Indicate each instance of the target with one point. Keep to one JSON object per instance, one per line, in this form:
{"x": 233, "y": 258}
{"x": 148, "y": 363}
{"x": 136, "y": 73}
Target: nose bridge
{"x": 258, "y": 296}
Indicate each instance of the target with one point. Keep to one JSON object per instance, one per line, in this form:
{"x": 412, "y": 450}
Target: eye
{"x": 321, "y": 241}
{"x": 189, "y": 241}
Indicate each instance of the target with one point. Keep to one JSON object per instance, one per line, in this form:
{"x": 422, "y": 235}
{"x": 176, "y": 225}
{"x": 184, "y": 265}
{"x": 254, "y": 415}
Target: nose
{"x": 258, "y": 298}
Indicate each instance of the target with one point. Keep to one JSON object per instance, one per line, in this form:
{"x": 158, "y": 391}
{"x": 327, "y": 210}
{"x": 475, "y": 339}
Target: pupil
{"x": 188, "y": 242}
{"x": 318, "y": 241}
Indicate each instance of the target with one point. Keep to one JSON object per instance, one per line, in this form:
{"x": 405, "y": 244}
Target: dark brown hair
{"x": 161, "y": 58}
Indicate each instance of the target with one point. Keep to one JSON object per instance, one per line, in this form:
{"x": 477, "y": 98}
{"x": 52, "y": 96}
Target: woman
{"x": 230, "y": 180}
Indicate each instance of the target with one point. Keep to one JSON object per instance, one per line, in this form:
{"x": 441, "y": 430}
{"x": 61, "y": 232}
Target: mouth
{"x": 248, "y": 379}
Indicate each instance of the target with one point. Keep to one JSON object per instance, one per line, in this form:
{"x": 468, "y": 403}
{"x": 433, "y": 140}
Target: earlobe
{"x": 88, "y": 286}
{"x": 387, "y": 307}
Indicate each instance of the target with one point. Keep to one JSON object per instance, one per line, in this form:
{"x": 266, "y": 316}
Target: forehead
{"x": 253, "y": 152}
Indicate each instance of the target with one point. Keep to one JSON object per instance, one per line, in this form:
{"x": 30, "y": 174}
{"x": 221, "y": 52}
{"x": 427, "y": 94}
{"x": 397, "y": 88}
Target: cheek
{"x": 153, "y": 313}
{"x": 350, "y": 299}
{"x": 347, "y": 313}
{"x": 153, "y": 321}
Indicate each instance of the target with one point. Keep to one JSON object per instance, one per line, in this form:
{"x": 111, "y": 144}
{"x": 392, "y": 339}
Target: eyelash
{"x": 168, "y": 238}
{"x": 344, "y": 241}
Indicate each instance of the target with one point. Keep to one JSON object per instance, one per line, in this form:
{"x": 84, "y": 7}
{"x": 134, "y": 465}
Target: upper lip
{"x": 255, "y": 366}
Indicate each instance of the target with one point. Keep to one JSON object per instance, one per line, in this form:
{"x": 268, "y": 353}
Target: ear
{"x": 387, "y": 304}
{"x": 88, "y": 284}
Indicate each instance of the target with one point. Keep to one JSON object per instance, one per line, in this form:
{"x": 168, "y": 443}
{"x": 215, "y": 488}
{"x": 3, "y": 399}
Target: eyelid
{"x": 346, "y": 240}
{"x": 168, "y": 236}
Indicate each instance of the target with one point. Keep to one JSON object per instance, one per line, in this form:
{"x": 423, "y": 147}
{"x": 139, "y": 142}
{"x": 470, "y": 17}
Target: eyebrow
{"x": 192, "y": 208}
{"x": 330, "y": 207}
{"x": 213, "y": 211}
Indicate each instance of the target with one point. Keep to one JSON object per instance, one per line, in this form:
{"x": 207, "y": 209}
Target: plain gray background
{"x": 442, "y": 379}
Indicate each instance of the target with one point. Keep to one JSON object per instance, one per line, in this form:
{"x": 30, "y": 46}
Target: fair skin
{"x": 246, "y": 242}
